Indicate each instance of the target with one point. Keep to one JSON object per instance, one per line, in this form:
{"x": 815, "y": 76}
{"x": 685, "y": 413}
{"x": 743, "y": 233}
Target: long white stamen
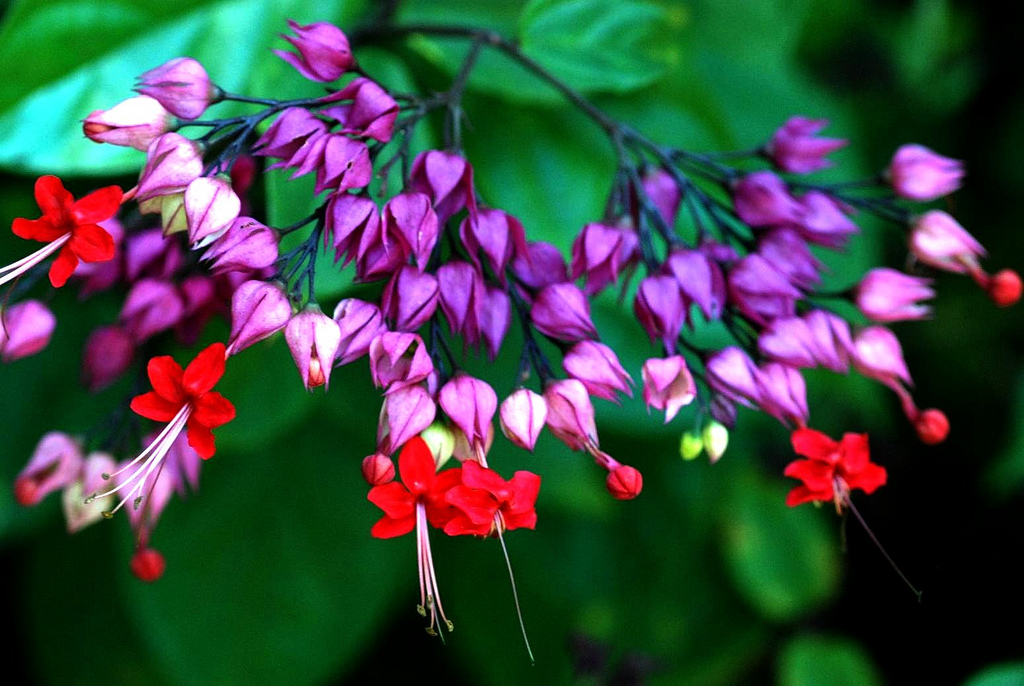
{"x": 420, "y": 531}
{"x": 16, "y": 269}
{"x": 500, "y": 524}
{"x": 435, "y": 593}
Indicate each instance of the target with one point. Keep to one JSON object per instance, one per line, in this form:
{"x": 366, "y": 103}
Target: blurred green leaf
{"x": 825, "y": 661}
{"x": 1007, "y": 674}
{"x": 1005, "y": 475}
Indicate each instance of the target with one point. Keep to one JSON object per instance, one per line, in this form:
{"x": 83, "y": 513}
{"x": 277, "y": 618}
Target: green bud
{"x": 690, "y": 445}
{"x": 441, "y": 441}
{"x": 716, "y": 439}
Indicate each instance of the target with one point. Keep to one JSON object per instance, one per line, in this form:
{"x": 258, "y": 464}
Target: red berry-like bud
{"x": 148, "y": 565}
{"x": 378, "y": 469}
{"x": 1004, "y": 287}
{"x": 624, "y": 483}
{"x": 932, "y": 426}
{"x": 25, "y": 492}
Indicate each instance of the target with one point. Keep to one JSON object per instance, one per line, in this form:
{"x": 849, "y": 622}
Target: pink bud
{"x": 410, "y": 221}
{"x": 323, "y": 51}
{"x": 660, "y": 310}
{"x": 314, "y": 339}
{"x": 470, "y": 404}
{"x": 522, "y": 416}
{"x": 918, "y": 173}
{"x": 877, "y": 354}
{"x": 410, "y": 298}
{"x": 760, "y": 291}
{"x": 570, "y": 413}
{"x": 663, "y": 191}
{"x": 447, "y": 179}
{"x": 258, "y": 310}
{"x": 407, "y": 411}
{"x": 598, "y": 367}
{"x": 938, "y": 240}
{"x": 135, "y": 122}
{"x": 398, "y": 360}
{"x": 541, "y": 265}
{"x": 823, "y": 221}
{"x": 150, "y": 253}
{"x": 495, "y": 319}
{"x": 371, "y": 112}
{"x": 108, "y": 353}
{"x": 211, "y": 205}
{"x": 763, "y": 199}
{"x": 462, "y": 292}
{"x": 246, "y": 246}
{"x": 172, "y": 163}
{"x": 346, "y": 165}
{"x": 795, "y": 149}
{"x": 55, "y": 463}
{"x": 181, "y": 86}
{"x": 359, "y": 322}
{"x": 289, "y": 133}
{"x": 562, "y": 311}
{"x": 378, "y": 469}
{"x": 668, "y": 385}
{"x": 349, "y": 217}
{"x": 600, "y": 253}
{"x": 700, "y": 280}
{"x": 786, "y": 250}
{"x": 496, "y": 234}
{"x": 25, "y": 329}
{"x": 624, "y": 482}
{"x": 886, "y": 295}
{"x": 783, "y": 393}
{"x": 732, "y": 373}
{"x": 150, "y": 307}
{"x": 202, "y": 302}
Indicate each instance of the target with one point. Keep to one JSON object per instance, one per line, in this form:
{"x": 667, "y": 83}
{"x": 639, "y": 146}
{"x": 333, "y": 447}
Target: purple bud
{"x": 172, "y": 163}
{"x": 314, "y": 339}
{"x": 149, "y": 252}
{"x": 55, "y": 463}
{"x": 732, "y": 373}
{"x": 668, "y": 385}
{"x": 288, "y": 134}
{"x": 462, "y": 293}
{"x": 323, "y": 51}
{"x": 410, "y": 221}
{"x": 349, "y": 218}
{"x": 410, "y": 298}
{"x": 96, "y": 277}
{"x": 795, "y": 149}
{"x": 108, "y": 353}
{"x": 497, "y": 234}
{"x": 246, "y": 246}
{"x": 134, "y": 122}
{"x": 406, "y": 412}
{"x": 562, "y": 311}
{"x": 886, "y": 295}
{"x": 371, "y": 112}
{"x": 700, "y": 279}
{"x": 663, "y": 191}
{"x": 211, "y": 205}
{"x": 470, "y": 404}
{"x": 600, "y": 252}
{"x": 918, "y": 173}
{"x": 660, "y": 310}
{"x": 785, "y": 250}
{"x": 183, "y": 462}
{"x": 258, "y": 310}
{"x": 522, "y": 416}
{"x": 789, "y": 340}
{"x": 763, "y": 199}
{"x": 783, "y": 393}
{"x": 150, "y": 307}
{"x": 398, "y": 360}
{"x": 541, "y": 265}
{"x": 833, "y": 344}
{"x": 723, "y": 411}
{"x": 346, "y": 165}
{"x": 495, "y": 319}
{"x": 571, "y": 414}
{"x": 181, "y": 86}
{"x": 199, "y": 293}
{"x": 598, "y": 367}
{"x": 877, "y": 355}
{"x": 447, "y": 179}
{"x": 25, "y": 329}
{"x": 823, "y": 222}
{"x": 939, "y": 241}
{"x": 760, "y": 291}
{"x": 359, "y": 322}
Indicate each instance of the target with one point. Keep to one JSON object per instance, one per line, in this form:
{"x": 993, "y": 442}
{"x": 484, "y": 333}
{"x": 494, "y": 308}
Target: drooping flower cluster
{"x": 454, "y": 274}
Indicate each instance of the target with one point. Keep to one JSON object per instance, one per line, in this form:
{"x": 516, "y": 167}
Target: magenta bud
{"x": 314, "y": 340}
{"x": 794, "y": 147}
{"x": 877, "y": 354}
{"x": 541, "y": 265}
{"x": 378, "y": 469}
{"x": 149, "y": 253}
{"x": 660, "y": 309}
{"x": 411, "y": 222}
{"x": 823, "y": 221}
{"x": 181, "y": 86}
{"x": 522, "y": 416}
{"x": 495, "y": 319}
{"x": 410, "y": 298}
{"x": 785, "y": 250}
{"x": 135, "y": 122}
{"x": 349, "y": 218}
{"x": 624, "y": 482}
{"x": 462, "y": 292}
{"x": 55, "y": 463}
{"x": 447, "y": 179}
{"x": 663, "y": 191}
{"x": 211, "y": 205}
{"x": 359, "y": 322}
{"x": 600, "y": 253}
{"x": 917, "y": 173}
{"x": 407, "y": 412}
{"x": 25, "y": 329}
{"x": 258, "y": 310}
{"x": 247, "y": 246}
{"x": 938, "y": 240}
{"x": 783, "y": 393}
{"x": 470, "y": 404}
{"x": 108, "y": 353}
{"x": 700, "y": 279}
{"x": 763, "y": 199}
{"x": 571, "y": 414}
{"x": 760, "y": 291}
{"x": 833, "y": 344}
{"x": 562, "y": 311}
{"x": 96, "y": 277}
{"x": 668, "y": 385}
{"x": 172, "y": 163}
{"x": 398, "y": 360}
{"x": 886, "y": 295}
{"x": 201, "y": 302}
{"x": 598, "y": 367}
{"x": 323, "y": 51}
{"x": 151, "y": 306}
{"x": 732, "y": 373}
{"x": 288, "y": 134}
{"x": 497, "y": 235}
{"x": 346, "y": 165}
{"x": 371, "y": 112}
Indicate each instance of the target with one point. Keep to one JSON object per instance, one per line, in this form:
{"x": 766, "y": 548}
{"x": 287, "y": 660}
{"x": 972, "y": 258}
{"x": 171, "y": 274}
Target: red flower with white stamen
{"x": 68, "y": 226}
{"x": 832, "y": 468}
{"x": 488, "y": 503}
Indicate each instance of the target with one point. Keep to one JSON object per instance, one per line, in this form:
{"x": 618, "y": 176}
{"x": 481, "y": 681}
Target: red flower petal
{"x": 474, "y": 475}
{"x": 53, "y": 199}
{"x": 461, "y": 525}
{"x": 856, "y": 455}
{"x": 526, "y": 520}
{"x": 815, "y": 445}
{"x": 479, "y": 506}
{"x": 205, "y": 371}
{"x": 165, "y": 375}
{"x": 37, "y": 230}
{"x": 63, "y": 267}
{"x": 439, "y": 510}
{"x": 201, "y": 439}
{"x": 98, "y": 206}
{"x": 525, "y": 488}
{"x": 802, "y": 494}
{"x": 387, "y": 527}
{"x": 869, "y": 479}
{"x": 416, "y": 466}
{"x": 394, "y": 499}
{"x": 212, "y": 410}
{"x": 815, "y": 475}
{"x": 92, "y": 243}
{"x": 152, "y": 406}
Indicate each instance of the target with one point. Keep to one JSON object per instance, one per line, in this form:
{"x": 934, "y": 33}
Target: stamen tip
{"x": 107, "y": 514}
{"x": 421, "y": 610}
{"x": 106, "y": 477}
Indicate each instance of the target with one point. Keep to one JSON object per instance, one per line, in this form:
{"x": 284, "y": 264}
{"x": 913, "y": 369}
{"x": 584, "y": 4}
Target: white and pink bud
{"x": 211, "y": 205}
{"x": 522, "y": 416}
{"x": 181, "y": 85}
{"x": 78, "y": 513}
{"x": 314, "y": 340}
{"x": 886, "y": 295}
{"x": 407, "y": 411}
{"x": 25, "y": 329}
{"x": 917, "y": 173}
{"x": 55, "y": 464}
{"x": 172, "y": 163}
{"x": 668, "y": 385}
{"x": 470, "y": 403}
{"x": 359, "y": 322}
{"x": 598, "y": 367}
{"x": 135, "y": 122}
{"x": 247, "y": 246}
{"x": 398, "y": 360}
{"x": 570, "y": 414}
{"x": 258, "y": 309}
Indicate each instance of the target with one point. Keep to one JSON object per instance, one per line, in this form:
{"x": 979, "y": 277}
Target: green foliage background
{"x": 705, "y": 579}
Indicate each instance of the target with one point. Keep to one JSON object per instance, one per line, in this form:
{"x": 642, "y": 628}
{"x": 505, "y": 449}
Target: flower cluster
{"x": 691, "y": 238}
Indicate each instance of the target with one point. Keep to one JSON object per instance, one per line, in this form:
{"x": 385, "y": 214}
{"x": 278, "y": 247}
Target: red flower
{"x": 487, "y": 502}
{"x": 176, "y": 391}
{"x": 421, "y": 485}
{"x": 72, "y": 223}
{"x": 832, "y": 469}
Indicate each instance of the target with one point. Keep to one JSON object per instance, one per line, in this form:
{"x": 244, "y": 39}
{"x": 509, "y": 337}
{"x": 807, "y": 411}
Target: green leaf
{"x": 819, "y": 660}
{"x": 782, "y": 560}
{"x": 1007, "y": 674}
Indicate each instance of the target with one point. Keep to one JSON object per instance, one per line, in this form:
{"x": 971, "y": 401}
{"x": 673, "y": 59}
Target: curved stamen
{"x": 16, "y": 269}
